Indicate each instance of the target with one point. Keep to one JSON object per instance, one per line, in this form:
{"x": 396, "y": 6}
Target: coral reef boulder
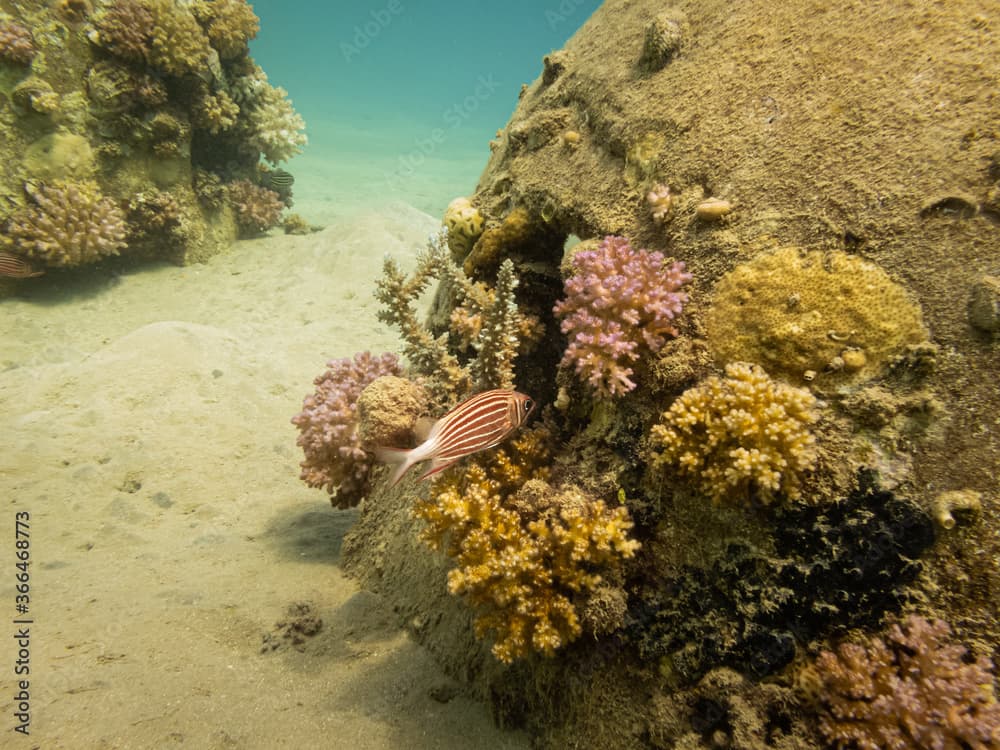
{"x": 135, "y": 98}
{"x": 839, "y": 216}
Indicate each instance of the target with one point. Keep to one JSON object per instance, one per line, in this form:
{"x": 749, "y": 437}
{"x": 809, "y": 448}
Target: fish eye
{"x": 528, "y": 404}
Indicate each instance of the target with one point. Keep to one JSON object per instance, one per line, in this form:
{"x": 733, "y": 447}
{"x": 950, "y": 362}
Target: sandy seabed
{"x": 146, "y": 431}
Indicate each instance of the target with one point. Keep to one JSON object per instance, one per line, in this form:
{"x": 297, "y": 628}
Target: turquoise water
{"x": 401, "y": 98}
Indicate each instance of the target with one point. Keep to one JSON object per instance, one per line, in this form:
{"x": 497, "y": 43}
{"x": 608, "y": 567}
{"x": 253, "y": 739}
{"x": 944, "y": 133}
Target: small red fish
{"x": 15, "y": 267}
{"x": 478, "y": 423}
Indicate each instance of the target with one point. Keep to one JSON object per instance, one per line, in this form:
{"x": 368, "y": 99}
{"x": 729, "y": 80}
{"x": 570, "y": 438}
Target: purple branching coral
{"x": 125, "y": 29}
{"x": 620, "y": 303}
{"x": 257, "y": 208}
{"x": 911, "y": 689}
{"x": 68, "y": 224}
{"x": 328, "y": 423}
{"x": 17, "y": 46}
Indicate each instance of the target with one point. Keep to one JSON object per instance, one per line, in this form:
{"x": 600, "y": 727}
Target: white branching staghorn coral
{"x": 497, "y": 343}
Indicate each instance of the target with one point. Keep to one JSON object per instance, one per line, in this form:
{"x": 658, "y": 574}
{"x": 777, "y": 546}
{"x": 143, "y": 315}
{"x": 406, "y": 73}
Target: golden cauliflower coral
{"x": 740, "y": 436}
{"x": 519, "y": 571}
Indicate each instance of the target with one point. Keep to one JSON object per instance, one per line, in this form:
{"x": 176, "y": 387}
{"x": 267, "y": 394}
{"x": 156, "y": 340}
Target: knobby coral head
{"x": 620, "y": 303}
{"x": 740, "y": 436}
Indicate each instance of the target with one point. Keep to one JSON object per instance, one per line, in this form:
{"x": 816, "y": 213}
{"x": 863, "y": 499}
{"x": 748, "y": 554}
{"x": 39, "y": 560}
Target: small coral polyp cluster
{"x": 620, "y": 304}
{"x": 130, "y": 98}
{"x": 741, "y": 436}
{"x": 524, "y": 550}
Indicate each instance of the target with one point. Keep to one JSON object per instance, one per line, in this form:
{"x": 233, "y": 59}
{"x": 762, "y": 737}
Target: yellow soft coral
{"x": 739, "y": 435}
{"x": 520, "y": 571}
{"x": 214, "y": 112}
{"x": 230, "y": 24}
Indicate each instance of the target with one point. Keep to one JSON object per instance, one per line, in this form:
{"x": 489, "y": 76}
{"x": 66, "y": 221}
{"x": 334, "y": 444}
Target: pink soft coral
{"x": 328, "y": 423}
{"x": 912, "y": 689}
{"x": 257, "y": 208}
{"x": 68, "y": 224}
{"x": 619, "y": 304}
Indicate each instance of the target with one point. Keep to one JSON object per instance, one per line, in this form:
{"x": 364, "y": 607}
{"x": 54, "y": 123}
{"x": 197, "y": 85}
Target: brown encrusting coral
{"x": 832, "y": 318}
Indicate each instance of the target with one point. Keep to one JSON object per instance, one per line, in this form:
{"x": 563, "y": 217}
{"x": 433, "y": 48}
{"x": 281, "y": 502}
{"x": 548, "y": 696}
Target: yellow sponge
{"x": 832, "y": 317}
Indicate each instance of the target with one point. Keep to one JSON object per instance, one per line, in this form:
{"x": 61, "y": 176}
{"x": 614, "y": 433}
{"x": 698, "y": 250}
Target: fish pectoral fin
{"x": 438, "y": 464}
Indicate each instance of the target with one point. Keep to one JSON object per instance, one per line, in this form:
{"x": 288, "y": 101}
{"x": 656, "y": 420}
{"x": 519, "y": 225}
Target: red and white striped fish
{"x": 16, "y": 267}
{"x": 478, "y": 423}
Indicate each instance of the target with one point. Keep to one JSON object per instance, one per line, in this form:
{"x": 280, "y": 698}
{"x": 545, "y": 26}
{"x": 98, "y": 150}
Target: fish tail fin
{"x": 438, "y": 465}
{"x": 400, "y": 457}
